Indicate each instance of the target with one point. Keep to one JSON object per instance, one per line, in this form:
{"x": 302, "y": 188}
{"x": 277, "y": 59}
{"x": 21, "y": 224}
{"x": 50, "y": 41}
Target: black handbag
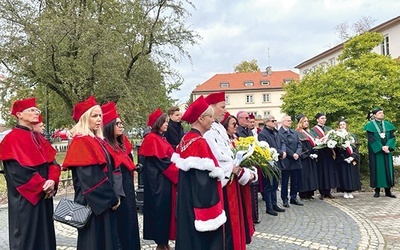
{"x": 71, "y": 213}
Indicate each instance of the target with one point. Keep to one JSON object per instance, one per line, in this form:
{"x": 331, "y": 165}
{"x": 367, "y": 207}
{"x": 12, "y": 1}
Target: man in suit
{"x": 291, "y": 165}
{"x": 271, "y": 136}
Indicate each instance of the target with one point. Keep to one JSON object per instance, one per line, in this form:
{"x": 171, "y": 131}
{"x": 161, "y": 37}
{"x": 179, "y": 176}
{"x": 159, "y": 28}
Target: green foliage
{"x": 362, "y": 81}
{"x": 116, "y": 50}
{"x": 247, "y": 66}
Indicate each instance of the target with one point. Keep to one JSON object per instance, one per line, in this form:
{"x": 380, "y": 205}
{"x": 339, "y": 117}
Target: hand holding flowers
{"x": 335, "y": 139}
{"x": 261, "y": 155}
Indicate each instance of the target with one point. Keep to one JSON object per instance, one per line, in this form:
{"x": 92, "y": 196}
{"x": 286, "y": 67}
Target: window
{"x": 286, "y": 81}
{"x": 267, "y": 113}
{"x": 266, "y": 98}
{"x": 264, "y": 82}
{"x": 385, "y": 46}
{"x": 224, "y": 84}
{"x": 227, "y": 99}
{"x": 332, "y": 61}
{"x": 249, "y": 99}
{"x": 248, "y": 83}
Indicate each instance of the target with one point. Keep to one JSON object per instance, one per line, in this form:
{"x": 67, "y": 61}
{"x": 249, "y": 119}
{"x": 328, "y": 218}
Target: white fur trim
{"x": 211, "y": 224}
{"x": 255, "y": 172}
{"x": 245, "y": 177}
{"x": 198, "y": 163}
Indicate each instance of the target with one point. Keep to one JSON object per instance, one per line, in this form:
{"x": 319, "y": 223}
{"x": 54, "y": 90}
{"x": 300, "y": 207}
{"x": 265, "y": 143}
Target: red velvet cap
{"x": 195, "y": 110}
{"x": 251, "y": 116}
{"x": 81, "y": 107}
{"x": 215, "y": 98}
{"x": 225, "y": 117}
{"x": 20, "y": 105}
{"x": 154, "y": 116}
{"x": 40, "y": 119}
{"x": 109, "y": 116}
{"x": 108, "y": 107}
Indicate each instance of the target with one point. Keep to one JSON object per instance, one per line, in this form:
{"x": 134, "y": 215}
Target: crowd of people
{"x": 195, "y": 190}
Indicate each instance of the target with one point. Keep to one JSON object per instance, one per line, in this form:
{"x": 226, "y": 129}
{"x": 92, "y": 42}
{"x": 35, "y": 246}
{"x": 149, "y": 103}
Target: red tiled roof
{"x": 237, "y": 81}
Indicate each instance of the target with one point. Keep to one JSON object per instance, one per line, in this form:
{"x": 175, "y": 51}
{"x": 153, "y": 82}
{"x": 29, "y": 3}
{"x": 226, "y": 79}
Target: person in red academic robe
{"x": 32, "y": 177}
{"x": 93, "y": 181}
{"x": 120, "y": 150}
{"x": 200, "y": 208}
{"x": 244, "y": 222}
{"x": 160, "y": 180}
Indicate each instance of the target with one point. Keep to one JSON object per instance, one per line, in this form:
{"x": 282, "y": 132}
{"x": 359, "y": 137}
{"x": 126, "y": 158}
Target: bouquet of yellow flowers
{"x": 262, "y": 155}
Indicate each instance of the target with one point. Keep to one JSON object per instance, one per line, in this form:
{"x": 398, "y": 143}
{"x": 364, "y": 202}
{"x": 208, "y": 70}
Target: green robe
{"x": 380, "y": 163}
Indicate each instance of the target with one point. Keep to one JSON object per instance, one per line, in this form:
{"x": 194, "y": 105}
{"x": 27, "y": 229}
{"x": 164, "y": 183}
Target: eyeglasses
{"x": 272, "y": 120}
{"x": 119, "y": 124}
{"x": 32, "y": 110}
{"x": 245, "y": 117}
{"x": 234, "y": 124}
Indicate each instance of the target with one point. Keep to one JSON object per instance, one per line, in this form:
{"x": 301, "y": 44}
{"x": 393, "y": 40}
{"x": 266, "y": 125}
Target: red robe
{"x": 200, "y": 211}
{"x": 29, "y": 160}
{"x": 157, "y": 152}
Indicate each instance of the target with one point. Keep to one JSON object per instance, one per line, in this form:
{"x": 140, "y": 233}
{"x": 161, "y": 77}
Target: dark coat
{"x": 243, "y": 132}
{"x": 293, "y": 145}
{"x": 274, "y": 140}
{"x": 174, "y": 133}
{"x": 309, "y": 173}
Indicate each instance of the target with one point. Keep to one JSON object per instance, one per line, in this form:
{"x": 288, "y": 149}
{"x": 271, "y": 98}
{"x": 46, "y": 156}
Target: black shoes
{"x": 258, "y": 221}
{"x": 390, "y": 195}
{"x": 286, "y": 204}
{"x": 278, "y": 209}
{"x": 272, "y": 212}
{"x": 376, "y": 195}
{"x": 296, "y": 202}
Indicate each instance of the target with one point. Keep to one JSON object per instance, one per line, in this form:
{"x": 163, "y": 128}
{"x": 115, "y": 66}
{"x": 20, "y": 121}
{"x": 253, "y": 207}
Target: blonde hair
{"x": 208, "y": 112}
{"x": 82, "y": 126}
{"x": 300, "y": 124}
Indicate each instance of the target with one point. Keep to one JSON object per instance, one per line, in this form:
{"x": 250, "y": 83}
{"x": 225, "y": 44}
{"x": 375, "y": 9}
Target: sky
{"x": 280, "y": 33}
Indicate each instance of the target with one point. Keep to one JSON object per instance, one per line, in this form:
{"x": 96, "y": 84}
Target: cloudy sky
{"x": 291, "y": 30}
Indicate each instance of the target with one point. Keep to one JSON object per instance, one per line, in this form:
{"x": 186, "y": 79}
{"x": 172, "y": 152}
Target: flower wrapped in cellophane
{"x": 335, "y": 139}
{"x": 263, "y": 156}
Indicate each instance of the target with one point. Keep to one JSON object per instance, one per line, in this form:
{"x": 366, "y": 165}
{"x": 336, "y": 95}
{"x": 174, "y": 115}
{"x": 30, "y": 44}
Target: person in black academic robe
{"x": 326, "y": 164}
{"x": 160, "y": 178}
{"x": 92, "y": 174}
{"x": 120, "y": 150}
{"x": 271, "y": 136}
{"x": 348, "y": 166}
{"x": 200, "y": 209}
{"x": 309, "y": 173}
{"x": 32, "y": 177}
{"x": 175, "y": 131}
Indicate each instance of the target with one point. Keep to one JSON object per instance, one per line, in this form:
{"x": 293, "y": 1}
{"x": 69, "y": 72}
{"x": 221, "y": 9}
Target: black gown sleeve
{"x": 96, "y": 188}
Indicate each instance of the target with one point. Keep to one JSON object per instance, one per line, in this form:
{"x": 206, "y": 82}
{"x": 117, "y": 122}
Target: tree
{"x": 246, "y": 66}
{"x": 117, "y": 50}
{"x": 345, "y": 32}
{"x": 363, "y": 80}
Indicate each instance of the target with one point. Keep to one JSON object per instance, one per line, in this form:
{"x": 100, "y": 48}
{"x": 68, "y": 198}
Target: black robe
{"x": 159, "y": 177}
{"x": 326, "y": 164}
{"x": 309, "y": 172}
{"x": 200, "y": 213}
{"x": 93, "y": 185}
{"x": 28, "y": 161}
{"x": 349, "y": 173}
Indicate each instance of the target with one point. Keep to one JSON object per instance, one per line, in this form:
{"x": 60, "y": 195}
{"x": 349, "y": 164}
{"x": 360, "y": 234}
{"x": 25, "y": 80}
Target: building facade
{"x": 258, "y": 93}
{"x": 389, "y": 46}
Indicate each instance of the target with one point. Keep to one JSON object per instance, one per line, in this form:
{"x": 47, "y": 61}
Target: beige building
{"x": 389, "y": 46}
{"x": 258, "y": 93}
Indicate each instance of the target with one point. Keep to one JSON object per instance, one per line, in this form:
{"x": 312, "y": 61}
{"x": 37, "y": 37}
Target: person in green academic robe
{"x": 381, "y": 144}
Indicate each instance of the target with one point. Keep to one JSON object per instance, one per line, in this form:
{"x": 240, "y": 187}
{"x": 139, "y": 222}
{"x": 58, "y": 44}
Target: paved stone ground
{"x": 360, "y": 223}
